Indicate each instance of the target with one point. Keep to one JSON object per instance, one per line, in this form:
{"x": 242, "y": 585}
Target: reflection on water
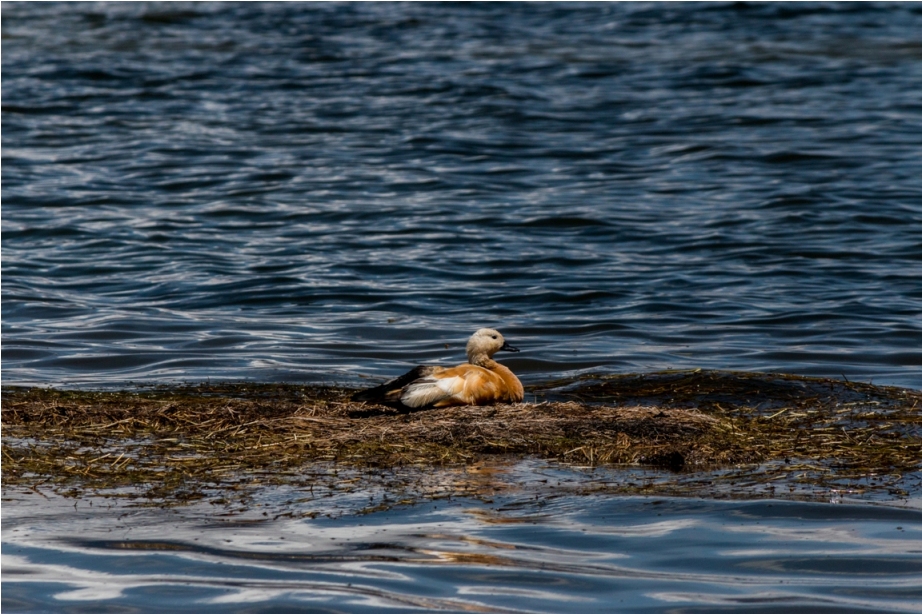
{"x": 516, "y": 552}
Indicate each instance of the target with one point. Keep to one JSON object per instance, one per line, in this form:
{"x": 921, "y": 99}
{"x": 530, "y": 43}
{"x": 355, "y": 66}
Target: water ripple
{"x": 514, "y": 555}
{"x": 725, "y": 186}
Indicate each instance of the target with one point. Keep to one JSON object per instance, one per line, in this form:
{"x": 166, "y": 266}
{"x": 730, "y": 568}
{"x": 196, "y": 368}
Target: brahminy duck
{"x": 479, "y": 381}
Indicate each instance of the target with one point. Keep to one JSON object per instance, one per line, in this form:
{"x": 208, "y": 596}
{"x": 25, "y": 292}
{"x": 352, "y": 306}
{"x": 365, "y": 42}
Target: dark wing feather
{"x": 389, "y": 392}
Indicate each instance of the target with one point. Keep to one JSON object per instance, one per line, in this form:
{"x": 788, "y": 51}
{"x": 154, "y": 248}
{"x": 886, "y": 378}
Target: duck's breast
{"x": 513, "y": 392}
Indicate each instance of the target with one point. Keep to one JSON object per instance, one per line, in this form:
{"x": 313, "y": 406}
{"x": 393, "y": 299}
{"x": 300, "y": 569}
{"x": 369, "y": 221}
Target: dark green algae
{"x": 698, "y": 433}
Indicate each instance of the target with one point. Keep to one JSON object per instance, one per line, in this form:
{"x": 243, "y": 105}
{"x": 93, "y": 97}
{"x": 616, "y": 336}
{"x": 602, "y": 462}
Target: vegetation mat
{"x": 704, "y": 433}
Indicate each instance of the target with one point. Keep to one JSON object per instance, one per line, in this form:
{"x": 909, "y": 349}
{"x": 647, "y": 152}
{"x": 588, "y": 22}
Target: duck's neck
{"x": 482, "y": 360}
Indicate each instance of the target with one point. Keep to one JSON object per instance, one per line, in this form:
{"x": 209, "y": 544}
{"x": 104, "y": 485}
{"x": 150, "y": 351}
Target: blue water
{"x": 317, "y": 192}
{"x": 513, "y": 554}
{"x": 300, "y": 192}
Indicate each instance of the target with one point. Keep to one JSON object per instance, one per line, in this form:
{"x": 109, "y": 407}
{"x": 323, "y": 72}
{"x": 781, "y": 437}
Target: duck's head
{"x": 486, "y": 342}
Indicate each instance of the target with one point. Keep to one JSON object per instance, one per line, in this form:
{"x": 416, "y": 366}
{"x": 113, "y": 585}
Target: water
{"x": 316, "y": 192}
{"x": 514, "y": 554}
{"x": 296, "y": 192}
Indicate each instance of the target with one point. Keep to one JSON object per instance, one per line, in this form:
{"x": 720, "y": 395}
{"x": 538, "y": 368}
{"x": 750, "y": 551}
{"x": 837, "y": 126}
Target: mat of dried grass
{"x": 215, "y": 442}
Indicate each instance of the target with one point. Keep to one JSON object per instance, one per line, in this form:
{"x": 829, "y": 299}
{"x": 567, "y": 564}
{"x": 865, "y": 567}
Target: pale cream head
{"x": 484, "y": 343}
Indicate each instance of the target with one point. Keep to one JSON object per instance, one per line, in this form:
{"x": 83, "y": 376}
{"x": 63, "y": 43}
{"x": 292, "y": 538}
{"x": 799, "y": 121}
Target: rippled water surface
{"x": 301, "y": 192}
{"x": 314, "y": 192}
{"x": 514, "y": 554}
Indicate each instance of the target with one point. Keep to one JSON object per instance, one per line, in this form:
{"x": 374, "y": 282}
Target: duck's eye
{"x": 494, "y": 336}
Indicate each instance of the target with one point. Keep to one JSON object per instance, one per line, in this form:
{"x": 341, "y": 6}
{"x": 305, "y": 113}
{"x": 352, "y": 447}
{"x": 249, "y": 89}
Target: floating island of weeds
{"x": 705, "y": 433}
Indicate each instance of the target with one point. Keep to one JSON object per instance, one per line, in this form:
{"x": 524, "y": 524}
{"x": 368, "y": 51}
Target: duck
{"x": 479, "y": 381}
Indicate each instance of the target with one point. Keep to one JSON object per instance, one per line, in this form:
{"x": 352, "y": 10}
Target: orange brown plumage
{"x": 480, "y": 381}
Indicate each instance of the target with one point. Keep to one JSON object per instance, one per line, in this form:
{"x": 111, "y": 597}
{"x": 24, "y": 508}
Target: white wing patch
{"x": 428, "y": 390}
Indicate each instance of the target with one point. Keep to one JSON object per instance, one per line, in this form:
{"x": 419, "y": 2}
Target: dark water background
{"x": 314, "y": 192}
{"x": 291, "y": 192}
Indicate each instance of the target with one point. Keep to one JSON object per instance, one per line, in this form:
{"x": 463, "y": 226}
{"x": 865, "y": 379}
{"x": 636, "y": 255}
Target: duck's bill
{"x": 508, "y": 348}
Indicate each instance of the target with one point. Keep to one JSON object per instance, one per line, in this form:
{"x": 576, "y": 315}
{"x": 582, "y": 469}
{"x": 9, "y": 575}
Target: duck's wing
{"x": 389, "y": 392}
{"x": 430, "y": 390}
{"x": 462, "y": 385}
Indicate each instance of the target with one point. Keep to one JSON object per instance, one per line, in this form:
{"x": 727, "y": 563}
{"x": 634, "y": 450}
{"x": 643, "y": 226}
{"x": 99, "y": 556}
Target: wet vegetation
{"x": 700, "y": 431}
